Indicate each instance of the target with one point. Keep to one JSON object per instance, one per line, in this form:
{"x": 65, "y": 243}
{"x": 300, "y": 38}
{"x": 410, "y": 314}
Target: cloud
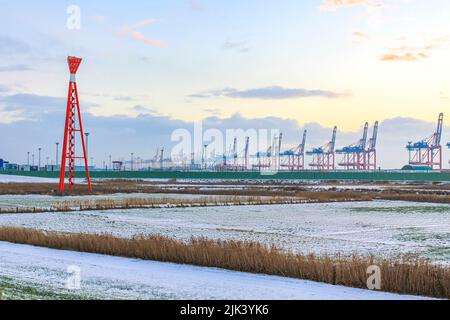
{"x": 270, "y": 93}
{"x": 241, "y": 47}
{"x": 127, "y": 29}
{"x": 407, "y": 56}
{"x": 414, "y": 52}
{"x": 150, "y": 42}
{"x": 3, "y": 88}
{"x": 31, "y": 104}
{"x": 196, "y": 5}
{"x": 142, "y": 110}
{"x": 99, "y": 19}
{"x": 35, "y": 107}
{"x": 132, "y": 31}
{"x": 332, "y": 5}
{"x": 359, "y": 37}
{"x": 16, "y": 67}
{"x": 146, "y": 132}
{"x": 124, "y": 98}
{"x": 10, "y": 46}
{"x": 213, "y": 111}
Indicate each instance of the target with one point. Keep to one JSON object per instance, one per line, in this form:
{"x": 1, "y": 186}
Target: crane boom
{"x": 302, "y": 146}
{"x": 373, "y": 141}
{"x": 364, "y": 138}
{"x": 438, "y": 134}
{"x": 247, "y": 145}
{"x": 333, "y": 140}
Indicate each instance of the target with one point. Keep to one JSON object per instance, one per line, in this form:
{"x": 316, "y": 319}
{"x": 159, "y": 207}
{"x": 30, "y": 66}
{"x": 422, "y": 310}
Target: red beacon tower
{"x": 72, "y": 126}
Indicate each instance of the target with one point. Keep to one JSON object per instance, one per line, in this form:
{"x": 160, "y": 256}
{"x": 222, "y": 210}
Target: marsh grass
{"x": 70, "y": 205}
{"x": 403, "y": 275}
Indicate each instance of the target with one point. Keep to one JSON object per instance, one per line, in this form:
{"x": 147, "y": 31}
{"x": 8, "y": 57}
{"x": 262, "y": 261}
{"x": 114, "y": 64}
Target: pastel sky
{"x": 323, "y": 62}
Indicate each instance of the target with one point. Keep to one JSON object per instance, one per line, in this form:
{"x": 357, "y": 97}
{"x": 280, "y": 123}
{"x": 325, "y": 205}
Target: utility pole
{"x": 110, "y": 162}
{"x": 32, "y": 157}
{"x": 192, "y": 160}
{"x": 57, "y": 151}
{"x": 39, "y": 149}
{"x": 28, "y": 158}
{"x": 204, "y": 156}
{"x": 87, "y": 134}
{"x": 162, "y": 158}
{"x": 132, "y": 159}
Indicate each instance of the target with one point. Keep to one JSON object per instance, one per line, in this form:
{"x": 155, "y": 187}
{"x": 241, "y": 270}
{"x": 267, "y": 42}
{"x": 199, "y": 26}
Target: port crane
{"x": 294, "y": 159}
{"x": 234, "y": 159}
{"x": 354, "y": 155}
{"x": 265, "y": 159}
{"x": 371, "y": 152}
{"x": 428, "y": 152}
{"x": 324, "y": 157}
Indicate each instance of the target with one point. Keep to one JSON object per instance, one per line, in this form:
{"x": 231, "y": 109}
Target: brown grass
{"x": 395, "y": 192}
{"x": 71, "y": 205}
{"x": 416, "y": 197}
{"x": 404, "y": 276}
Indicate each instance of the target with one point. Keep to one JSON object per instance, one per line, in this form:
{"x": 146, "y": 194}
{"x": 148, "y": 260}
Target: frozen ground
{"x": 380, "y": 228}
{"x": 44, "y": 201}
{"x": 181, "y": 186}
{"x": 30, "y": 272}
{"x": 23, "y": 179}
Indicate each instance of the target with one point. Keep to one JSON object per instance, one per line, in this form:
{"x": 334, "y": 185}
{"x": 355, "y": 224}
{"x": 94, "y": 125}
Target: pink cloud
{"x": 407, "y": 56}
{"x": 414, "y": 52}
{"x": 131, "y": 30}
{"x": 150, "y": 42}
{"x": 359, "y": 37}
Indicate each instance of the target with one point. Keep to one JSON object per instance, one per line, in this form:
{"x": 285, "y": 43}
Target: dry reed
{"x": 71, "y": 205}
{"x": 404, "y": 276}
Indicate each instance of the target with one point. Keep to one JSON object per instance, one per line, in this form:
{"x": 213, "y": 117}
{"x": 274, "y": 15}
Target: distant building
{"x": 52, "y": 168}
{"x": 10, "y": 166}
{"x": 416, "y": 168}
{"x": 117, "y": 165}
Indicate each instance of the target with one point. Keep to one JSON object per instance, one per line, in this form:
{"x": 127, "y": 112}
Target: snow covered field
{"x": 46, "y": 202}
{"x": 45, "y": 270}
{"x": 381, "y": 228}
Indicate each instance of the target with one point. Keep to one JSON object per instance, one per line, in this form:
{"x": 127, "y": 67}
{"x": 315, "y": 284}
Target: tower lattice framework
{"x": 73, "y": 125}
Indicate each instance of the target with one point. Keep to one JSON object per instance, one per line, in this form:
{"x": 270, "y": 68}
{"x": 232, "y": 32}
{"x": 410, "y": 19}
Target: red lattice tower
{"x": 73, "y": 112}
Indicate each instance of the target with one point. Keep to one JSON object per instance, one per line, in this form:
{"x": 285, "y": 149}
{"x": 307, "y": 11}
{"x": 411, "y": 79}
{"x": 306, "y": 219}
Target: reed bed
{"x": 403, "y": 276}
{"x": 417, "y": 197}
{"x": 253, "y": 190}
{"x": 71, "y": 205}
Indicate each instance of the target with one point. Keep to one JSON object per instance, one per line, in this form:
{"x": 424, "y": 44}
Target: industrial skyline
{"x": 153, "y": 67}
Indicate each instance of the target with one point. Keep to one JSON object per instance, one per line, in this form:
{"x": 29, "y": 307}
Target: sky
{"x": 151, "y": 67}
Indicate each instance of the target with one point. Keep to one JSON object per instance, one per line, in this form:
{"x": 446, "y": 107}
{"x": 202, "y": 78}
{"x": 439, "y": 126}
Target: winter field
{"x": 380, "y": 228}
{"x": 386, "y": 229}
{"x": 40, "y": 273}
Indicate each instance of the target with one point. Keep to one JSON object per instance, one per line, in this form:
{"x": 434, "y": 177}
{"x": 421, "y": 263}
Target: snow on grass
{"x": 46, "y": 201}
{"x": 380, "y": 228}
{"x": 123, "y": 278}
